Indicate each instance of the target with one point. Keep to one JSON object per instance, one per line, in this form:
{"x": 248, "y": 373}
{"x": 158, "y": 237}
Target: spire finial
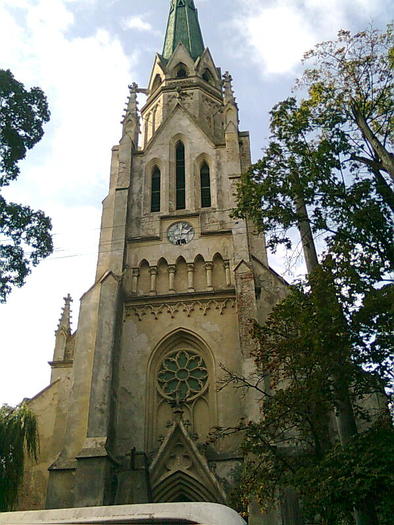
{"x": 131, "y": 117}
{"x": 65, "y": 318}
{"x": 183, "y": 26}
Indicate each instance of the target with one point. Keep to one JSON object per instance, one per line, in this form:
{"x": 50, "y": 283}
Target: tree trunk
{"x": 364, "y": 514}
{"x": 382, "y": 186}
{"x": 384, "y": 189}
{"x": 308, "y": 243}
{"x": 386, "y": 158}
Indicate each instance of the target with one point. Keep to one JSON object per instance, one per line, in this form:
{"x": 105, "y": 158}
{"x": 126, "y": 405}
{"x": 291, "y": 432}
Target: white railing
{"x": 150, "y": 514}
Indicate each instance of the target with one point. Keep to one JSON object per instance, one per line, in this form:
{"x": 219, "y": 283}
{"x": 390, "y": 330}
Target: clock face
{"x": 180, "y": 233}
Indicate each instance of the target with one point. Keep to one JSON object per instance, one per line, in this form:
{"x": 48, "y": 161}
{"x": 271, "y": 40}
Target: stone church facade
{"x": 133, "y": 398}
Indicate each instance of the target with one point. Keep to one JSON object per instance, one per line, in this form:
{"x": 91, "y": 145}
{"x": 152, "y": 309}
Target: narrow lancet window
{"x": 205, "y": 182}
{"x": 180, "y": 176}
{"x": 155, "y": 191}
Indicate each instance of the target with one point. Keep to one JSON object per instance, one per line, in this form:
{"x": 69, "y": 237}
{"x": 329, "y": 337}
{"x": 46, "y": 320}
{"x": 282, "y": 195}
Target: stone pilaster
{"x": 93, "y": 473}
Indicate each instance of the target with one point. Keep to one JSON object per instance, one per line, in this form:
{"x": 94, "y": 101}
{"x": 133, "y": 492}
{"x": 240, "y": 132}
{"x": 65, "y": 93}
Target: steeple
{"x": 183, "y": 26}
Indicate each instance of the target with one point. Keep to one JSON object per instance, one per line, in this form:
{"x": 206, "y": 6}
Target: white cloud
{"x": 278, "y": 32}
{"x": 66, "y": 174}
{"x": 137, "y": 22}
{"x": 280, "y": 50}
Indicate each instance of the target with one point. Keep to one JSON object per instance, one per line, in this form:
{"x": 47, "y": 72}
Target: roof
{"x": 183, "y": 26}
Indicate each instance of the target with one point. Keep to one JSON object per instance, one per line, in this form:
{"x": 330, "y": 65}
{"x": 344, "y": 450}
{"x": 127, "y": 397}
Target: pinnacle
{"x": 132, "y": 103}
{"x": 228, "y": 88}
{"x": 65, "y": 318}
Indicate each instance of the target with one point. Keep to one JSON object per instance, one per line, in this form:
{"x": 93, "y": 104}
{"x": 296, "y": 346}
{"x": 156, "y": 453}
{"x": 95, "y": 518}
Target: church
{"x": 133, "y": 400}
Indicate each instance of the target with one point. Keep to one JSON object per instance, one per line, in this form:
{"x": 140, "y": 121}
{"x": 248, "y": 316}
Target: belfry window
{"x": 205, "y": 184}
{"x": 181, "y": 70}
{"x": 207, "y": 76}
{"x": 156, "y": 82}
{"x": 180, "y": 182}
{"x": 155, "y": 190}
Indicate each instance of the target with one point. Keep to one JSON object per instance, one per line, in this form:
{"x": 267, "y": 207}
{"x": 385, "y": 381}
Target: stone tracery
{"x": 183, "y": 376}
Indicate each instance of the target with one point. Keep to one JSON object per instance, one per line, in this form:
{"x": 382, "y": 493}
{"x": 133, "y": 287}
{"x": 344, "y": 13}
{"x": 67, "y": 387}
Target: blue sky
{"x": 84, "y": 53}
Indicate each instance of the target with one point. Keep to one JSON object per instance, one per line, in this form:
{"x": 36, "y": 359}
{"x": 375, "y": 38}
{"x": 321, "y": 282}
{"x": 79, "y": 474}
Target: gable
{"x": 180, "y": 471}
{"x": 157, "y": 70}
{"x": 181, "y": 54}
{"x": 205, "y": 62}
{"x": 179, "y": 122}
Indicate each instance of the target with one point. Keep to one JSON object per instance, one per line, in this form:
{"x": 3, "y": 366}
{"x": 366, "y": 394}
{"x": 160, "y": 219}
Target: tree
{"x": 25, "y": 233}
{"x": 306, "y": 180}
{"x": 18, "y": 437}
{"x": 295, "y": 444}
{"x": 314, "y": 176}
{"x": 353, "y": 77}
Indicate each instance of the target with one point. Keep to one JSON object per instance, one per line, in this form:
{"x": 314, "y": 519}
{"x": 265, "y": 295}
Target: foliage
{"x": 25, "y": 233}
{"x": 295, "y": 444}
{"x": 345, "y": 208}
{"x": 321, "y": 152}
{"x": 327, "y": 349}
{"x": 352, "y": 78}
{"x": 18, "y": 437}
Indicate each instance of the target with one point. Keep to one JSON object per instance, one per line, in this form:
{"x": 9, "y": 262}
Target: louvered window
{"x": 155, "y": 191}
{"x": 180, "y": 177}
{"x": 205, "y": 182}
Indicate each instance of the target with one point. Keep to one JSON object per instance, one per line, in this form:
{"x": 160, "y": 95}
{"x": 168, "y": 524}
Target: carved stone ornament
{"x": 182, "y": 376}
{"x": 189, "y": 307}
{"x": 179, "y": 470}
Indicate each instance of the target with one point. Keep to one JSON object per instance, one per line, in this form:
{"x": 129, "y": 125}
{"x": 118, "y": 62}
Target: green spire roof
{"x": 183, "y": 27}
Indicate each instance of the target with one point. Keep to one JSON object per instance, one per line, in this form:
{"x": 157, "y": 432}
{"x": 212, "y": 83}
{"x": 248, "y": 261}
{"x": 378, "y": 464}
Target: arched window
{"x": 207, "y": 76}
{"x": 156, "y": 82}
{"x": 155, "y": 190}
{"x": 180, "y": 182}
{"x": 181, "y": 70}
{"x": 205, "y": 183}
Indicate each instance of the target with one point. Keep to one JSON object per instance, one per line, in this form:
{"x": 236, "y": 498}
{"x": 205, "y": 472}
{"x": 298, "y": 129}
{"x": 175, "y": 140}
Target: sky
{"x": 84, "y": 54}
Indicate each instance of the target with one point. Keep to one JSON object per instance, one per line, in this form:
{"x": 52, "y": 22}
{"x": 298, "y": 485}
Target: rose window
{"x": 182, "y": 376}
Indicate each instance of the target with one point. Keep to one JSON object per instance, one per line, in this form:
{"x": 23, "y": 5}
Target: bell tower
{"x": 178, "y": 281}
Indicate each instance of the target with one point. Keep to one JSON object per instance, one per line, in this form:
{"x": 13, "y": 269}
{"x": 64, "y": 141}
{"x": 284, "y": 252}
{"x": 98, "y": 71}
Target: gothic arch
{"x": 180, "y": 486}
{"x": 180, "y": 473}
{"x": 200, "y": 408}
{"x": 180, "y": 70}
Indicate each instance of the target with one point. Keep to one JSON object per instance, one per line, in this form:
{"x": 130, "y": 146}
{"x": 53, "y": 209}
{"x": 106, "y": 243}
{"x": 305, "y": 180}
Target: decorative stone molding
{"x": 189, "y": 307}
{"x": 179, "y": 468}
